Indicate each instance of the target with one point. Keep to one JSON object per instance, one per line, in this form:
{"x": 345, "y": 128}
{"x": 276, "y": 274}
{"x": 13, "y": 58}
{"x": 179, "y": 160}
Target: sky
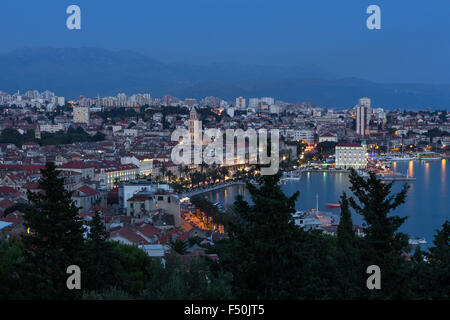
{"x": 413, "y": 44}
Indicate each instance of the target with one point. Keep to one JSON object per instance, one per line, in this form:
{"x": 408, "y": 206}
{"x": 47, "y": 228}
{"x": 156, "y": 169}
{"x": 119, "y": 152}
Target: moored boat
{"x": 429, "y": 156}
{"x": 401, "y": 157}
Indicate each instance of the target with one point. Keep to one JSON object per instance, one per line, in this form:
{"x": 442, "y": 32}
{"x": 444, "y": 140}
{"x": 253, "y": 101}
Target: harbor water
{"x": 427, "y": 204}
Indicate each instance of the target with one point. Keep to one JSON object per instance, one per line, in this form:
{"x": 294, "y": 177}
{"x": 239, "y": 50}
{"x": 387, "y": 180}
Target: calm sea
{"x": 427, "y": 205}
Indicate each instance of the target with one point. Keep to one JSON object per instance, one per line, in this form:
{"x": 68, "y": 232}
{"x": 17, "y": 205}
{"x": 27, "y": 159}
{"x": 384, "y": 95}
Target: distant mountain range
{"x": 92, "y": 71}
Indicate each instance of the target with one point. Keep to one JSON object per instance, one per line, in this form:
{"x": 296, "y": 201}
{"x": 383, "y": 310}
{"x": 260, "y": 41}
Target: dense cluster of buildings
{"x": 118, "y": 175}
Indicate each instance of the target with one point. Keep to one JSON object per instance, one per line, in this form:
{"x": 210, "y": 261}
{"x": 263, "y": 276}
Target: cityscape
{"x": 114, "y": 154}
{"x": 294, "y": 172}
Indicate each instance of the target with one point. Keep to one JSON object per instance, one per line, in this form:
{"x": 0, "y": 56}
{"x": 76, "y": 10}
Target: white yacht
{"x": 401, "y": 157}
{"x": 429, "y": 156}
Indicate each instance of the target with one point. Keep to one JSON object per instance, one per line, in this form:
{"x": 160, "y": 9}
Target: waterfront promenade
{"x": 206, "y": 189}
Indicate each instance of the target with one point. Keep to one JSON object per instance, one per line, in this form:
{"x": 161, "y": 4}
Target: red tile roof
{"x": 173, "y": 235}
{"x": 77, "y": 165}
{"x": 87, "y": 190}
{"x": 130, "y": 235}
{"x": 149, "y": 230}
{"x": 4, "y": 204}
{"x": 349, "y": 145}
{"x": 328, "y": 134}
{"x": 15, "y": 219}
{"x": 6, "y": 191}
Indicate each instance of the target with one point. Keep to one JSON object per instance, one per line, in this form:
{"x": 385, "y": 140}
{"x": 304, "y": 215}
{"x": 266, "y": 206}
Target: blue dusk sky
{"x": 413, "y": 44}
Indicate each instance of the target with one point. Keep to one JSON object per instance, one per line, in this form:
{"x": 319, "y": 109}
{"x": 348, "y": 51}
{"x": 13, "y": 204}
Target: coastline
{"x": 220, "y": 186}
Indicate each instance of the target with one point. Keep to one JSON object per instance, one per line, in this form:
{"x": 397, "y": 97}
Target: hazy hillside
{"x": 91, "y": 71}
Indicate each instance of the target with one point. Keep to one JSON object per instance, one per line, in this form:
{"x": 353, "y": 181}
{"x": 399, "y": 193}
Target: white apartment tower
{"x": 268, "y": 100}
{"x": 362, "y": 116}
{"x": 254, "y": 103}
{"x": 240, "y": 103}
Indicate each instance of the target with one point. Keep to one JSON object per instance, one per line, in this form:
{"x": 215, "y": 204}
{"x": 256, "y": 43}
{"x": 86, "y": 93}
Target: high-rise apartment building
{"x": 362, "y": 116}
{"x": 240, "y": 103}
{"x": 254, "y": 103}
{"x": 268, "y": 100}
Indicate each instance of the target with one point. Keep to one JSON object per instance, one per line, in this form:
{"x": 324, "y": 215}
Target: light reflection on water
{"x": 443, "y": 175}
{"x": 411, "y": 169}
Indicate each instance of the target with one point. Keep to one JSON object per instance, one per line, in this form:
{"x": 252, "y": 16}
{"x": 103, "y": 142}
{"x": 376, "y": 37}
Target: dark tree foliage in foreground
{"x": 439, "y": 258}
{"x": 100, "y": 259}
{"x": 350, "y": 274}
{"x": 11, "y": 260}
{"x": 432, "y": 269}
{"x": 265, "y": 257}
{"x": 383, "y": 245}
{"x": 268, "y": 255}
{"x": 55, "y": 239}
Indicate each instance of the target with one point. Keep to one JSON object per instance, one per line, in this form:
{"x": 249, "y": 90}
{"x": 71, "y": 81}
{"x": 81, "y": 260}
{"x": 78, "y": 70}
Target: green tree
{"x": 345, "y": 232}
{"x": 179, "y": 246}
{"x": 224, "y": 172}
{"x": 101, "y": 261}
{"x": 326, "y": 148}
{"x": 268, "y": 255}
{"x": 133, "y": 268}
{"x": 16, "y": 207}
{"x": 11, "y": 259}
{"x": 350, "y": 269}
{"x": 10, "y": 135}
{"x": 56, "y": 238}
{"x": 384, "y": 246}
{"x": 439, "y": 264}
{"x": 193, "y": 280}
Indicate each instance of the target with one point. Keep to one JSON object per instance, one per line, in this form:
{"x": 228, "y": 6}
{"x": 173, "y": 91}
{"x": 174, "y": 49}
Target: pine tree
{"x": 421, "y": 278}
{"x": 268, "y": 255}
{"x": 345, "y": 232}
{"x": 100, "y": 257}
{"x": 347, "y": 255}
{"x": 179, "y": 246}
{"x": 11, "y": 259}
{"x": 55, "y": 240}
{"x": 439, "y": 264}
{"x": 134, "y": 266}
{"x": 383, "y": 246}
